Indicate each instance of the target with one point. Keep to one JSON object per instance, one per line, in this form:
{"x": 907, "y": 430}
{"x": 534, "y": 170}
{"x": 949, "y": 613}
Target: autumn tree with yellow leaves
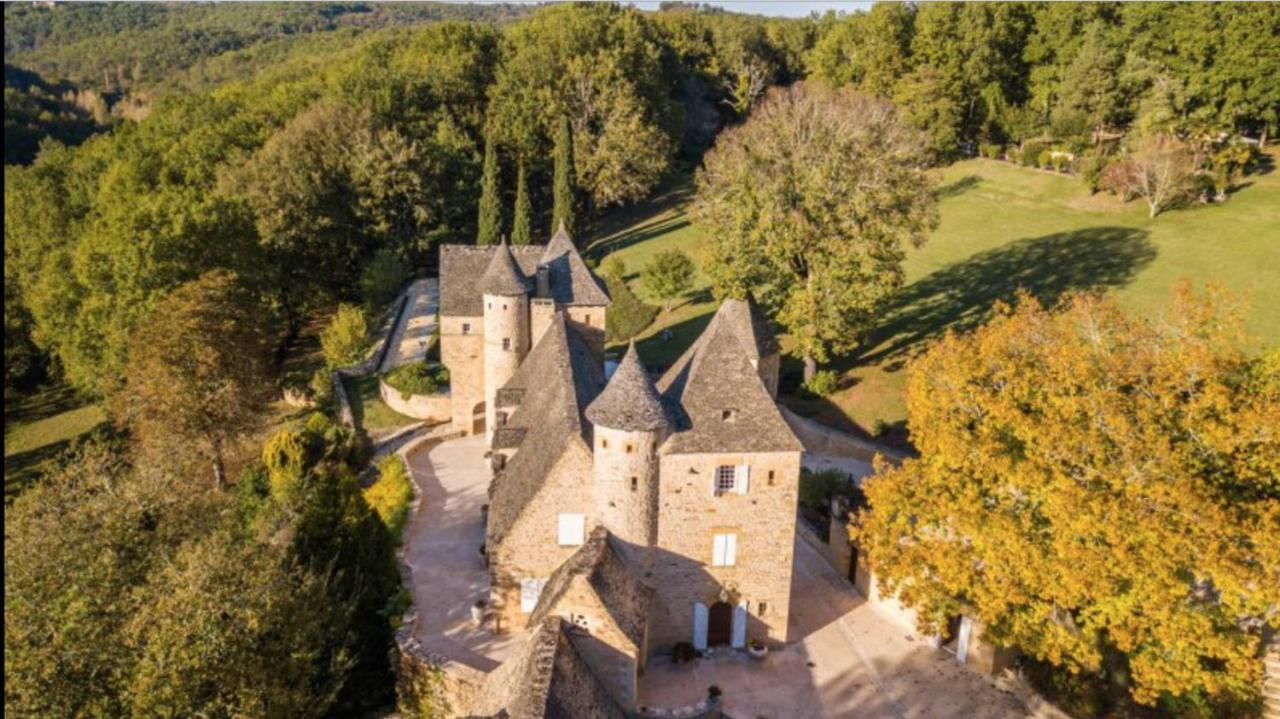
{"x": 1090, "y": 484}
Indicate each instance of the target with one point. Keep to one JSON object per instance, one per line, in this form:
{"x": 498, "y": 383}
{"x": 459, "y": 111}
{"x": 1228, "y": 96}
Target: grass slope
{"x": 1003, "y": 227}
{"x": 38, "y": 427}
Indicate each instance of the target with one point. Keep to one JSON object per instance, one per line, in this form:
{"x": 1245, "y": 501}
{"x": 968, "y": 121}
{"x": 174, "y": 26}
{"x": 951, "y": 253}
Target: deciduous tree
{"x": 1090, "y": 483}
{"x": 668, "y": 276}
{"x": 345, "y": 337}
{"x": 1160, "y": 170}
{"x": 810, "y": 205}
{"x": 196, "y": 380}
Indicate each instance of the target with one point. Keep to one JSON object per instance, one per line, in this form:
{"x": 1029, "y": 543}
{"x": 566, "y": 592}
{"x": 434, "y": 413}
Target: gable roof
{"x": 722, "y": 404}
{"x": 629, "y": 402}
{"x": 548, "y": 679}
{"x": 462, "y": 266}
{"x": 620, "y": 591}
{"x": 557, "y": 380}
{"x": 572, "y": 282}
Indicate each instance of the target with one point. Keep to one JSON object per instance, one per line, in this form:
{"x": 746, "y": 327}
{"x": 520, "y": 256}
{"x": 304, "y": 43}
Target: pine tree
{"x": 562, "y": 188}
{"x": 520, "y": 233}
{"x": 490, "y": 220}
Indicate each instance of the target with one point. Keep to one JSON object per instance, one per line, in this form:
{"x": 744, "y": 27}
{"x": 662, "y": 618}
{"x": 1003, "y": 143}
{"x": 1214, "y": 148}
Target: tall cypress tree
{"x": 490, "y": 220}
{"x": 562, "y": 188}
{"x": 520, "y": 220}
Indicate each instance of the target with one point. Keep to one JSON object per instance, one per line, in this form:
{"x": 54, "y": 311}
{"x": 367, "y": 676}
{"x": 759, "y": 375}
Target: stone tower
{"x": 629, "y": 424}
{"x": 506, "y": 328}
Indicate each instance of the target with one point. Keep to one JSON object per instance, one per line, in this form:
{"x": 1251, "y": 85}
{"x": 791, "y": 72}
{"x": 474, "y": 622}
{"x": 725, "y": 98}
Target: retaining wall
{"x": 372, "y": 361}
{"x": 432, "y": 408}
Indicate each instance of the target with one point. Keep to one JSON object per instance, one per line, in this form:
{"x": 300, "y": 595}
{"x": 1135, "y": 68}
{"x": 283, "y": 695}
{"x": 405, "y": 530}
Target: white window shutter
{"x": 700, "y": 626}
{"x": 572, "y": 529}
{"x": 529, "y": 591}
{"x": 730, "y": 549}
{"x": 962, "y": 642}
{"x": 743, "y": 478}
{"x": 718, "y": 550}
{"x": 739, "y": 638}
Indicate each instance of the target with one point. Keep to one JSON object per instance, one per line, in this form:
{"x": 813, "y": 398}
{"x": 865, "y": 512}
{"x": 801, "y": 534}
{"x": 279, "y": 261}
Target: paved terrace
{"x": 444, "y": 551}
{"x": 417, "y": 323}
{"x": 844, "y": 660}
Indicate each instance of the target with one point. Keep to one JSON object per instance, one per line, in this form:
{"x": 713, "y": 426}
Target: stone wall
{"x": 463, "y": 353}
{"x": 373, "y": 360}
{"x": 836, "y": 551}
{"x": 432, "y": 408}
{"x": 530, "y": 549}
{"x": 589, "y": 322}
{"x": 689, "y": 515}
{"x": 818, "y": 438}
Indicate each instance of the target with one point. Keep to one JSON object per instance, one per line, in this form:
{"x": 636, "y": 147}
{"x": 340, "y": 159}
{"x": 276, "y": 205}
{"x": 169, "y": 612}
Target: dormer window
{"x": 728, "y": 415}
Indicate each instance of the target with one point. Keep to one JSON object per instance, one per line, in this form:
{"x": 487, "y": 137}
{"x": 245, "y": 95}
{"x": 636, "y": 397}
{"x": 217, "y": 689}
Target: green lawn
{"x": 1002, "y": 227}
{"x": 38, "y": 427}
{"x": 369, "y": 411}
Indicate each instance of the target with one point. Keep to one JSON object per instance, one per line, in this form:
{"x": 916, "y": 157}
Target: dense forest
{"x": 166, "y": 164}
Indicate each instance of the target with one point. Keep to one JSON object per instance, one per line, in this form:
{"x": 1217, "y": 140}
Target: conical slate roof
{"x": 629, "y": 402}
{"x": 502, "y": 277}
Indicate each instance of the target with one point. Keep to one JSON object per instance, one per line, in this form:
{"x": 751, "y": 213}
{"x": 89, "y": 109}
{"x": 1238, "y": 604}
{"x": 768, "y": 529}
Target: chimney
{"x": 543, "y": 282}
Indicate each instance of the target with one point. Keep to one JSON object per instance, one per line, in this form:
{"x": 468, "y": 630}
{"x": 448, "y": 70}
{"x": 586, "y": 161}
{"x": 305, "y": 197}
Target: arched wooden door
{"x": 719, "y": 624}
{"x": 477, "y": 419}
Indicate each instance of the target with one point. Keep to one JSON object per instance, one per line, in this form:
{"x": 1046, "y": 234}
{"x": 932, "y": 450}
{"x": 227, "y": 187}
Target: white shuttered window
{"x": 572, "y": 529}
{"x": 724, "y": 550}
{"x": 529, "y": 591}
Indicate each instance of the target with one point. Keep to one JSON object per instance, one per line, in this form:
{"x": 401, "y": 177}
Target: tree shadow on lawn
{"x": 960, "y": 297}
{"x": 957, "y": 188}
{"x": 639, "y": 234}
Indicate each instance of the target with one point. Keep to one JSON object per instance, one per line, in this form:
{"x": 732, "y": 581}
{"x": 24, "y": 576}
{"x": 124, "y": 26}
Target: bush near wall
{"x": 391, "y": 495}
{"x": 418, "y": 378}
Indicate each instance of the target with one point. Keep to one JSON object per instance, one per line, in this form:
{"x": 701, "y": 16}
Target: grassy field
{"x": 40, "y": 426}
{"x": 1002, "y": 228}
{"x": 367, "y": 407}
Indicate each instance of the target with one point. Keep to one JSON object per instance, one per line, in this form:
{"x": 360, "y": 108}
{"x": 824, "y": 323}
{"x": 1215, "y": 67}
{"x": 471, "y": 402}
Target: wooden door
{"x": 720, "y": 624}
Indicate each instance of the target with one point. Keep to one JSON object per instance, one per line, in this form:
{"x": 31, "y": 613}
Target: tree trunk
{"x": 1262, "y": 139}
{"x": 810, "y": 367}
{"x": 219, "y": 469}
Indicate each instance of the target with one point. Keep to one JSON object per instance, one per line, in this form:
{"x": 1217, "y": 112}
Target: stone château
{"x": 625, "y": 515}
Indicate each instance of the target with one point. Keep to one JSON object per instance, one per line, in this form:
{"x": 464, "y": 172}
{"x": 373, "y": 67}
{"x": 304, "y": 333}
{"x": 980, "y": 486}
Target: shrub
{"x": 1089, "y": 167}
{"x": 628, "y": 316}
{"x": 343, "y": 340}
{"x": 285, "y": 457}
{"x": 321, "y": 386}
{"x": 382, "y": 279}
{"x": 823, "y": 383}
{"x": 1031, "y": 151}
{"x": 817, "y": 488}
{"x": 1044, "y": 159}
{"x": 417, "y": 378}
{"x": 992, "y": 151}
{"x": 613, "y": 267}
{"x": 391, "y": 495}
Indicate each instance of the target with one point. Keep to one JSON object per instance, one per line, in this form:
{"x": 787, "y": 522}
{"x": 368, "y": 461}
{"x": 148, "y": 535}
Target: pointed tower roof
{"x": 629, "y": 402}
{"x": 572, "y": 282}
{"x": 502, "y": 277}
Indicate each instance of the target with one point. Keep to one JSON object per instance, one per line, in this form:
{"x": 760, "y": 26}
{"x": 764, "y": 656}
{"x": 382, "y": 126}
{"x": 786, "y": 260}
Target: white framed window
{"x": 724, "y": 550}
{"x": 732, "y": 479}
{"x": 530, "y": 588}
{"x": 571, "y": 529}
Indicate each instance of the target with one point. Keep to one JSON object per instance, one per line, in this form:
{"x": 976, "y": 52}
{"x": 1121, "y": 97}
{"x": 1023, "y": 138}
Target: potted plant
{"x": 757, "y": 648}
{"x": 477, "y": 612}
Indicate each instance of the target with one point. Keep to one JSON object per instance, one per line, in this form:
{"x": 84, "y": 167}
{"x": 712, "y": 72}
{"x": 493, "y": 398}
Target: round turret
{"x": 506, "y": 327}
{"x": 629, "y": 423}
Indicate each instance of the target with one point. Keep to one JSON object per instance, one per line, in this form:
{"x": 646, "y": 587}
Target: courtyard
{"x": 844, "y": 658}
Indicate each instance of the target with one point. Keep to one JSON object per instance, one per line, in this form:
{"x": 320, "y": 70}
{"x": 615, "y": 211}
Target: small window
{"x": 586, "y": 320}
{"x": 506, "y": 344}
{"x": 572, "y": 529}
{"x": 724, "y": 550}
{"x": 466, "y": 328}
{"x": 726, "y": 415}
{"x": 764, "y": 607}
{"x": 771, "y": 478}
{"x": 489, "y": 306}
{"x": 629, "y": 449}
{"x": 726, "y": 478}
{"x": 504, "y": 307}
{"x": 604, "y": 444}
{"x": 635, "y": 483}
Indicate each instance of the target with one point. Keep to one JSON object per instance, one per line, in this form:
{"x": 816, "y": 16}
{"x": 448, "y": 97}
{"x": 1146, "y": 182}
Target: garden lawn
{"x": 40, "y": 426}
{"x": 369, "y": 411}
{"x": 1003, "y": 227}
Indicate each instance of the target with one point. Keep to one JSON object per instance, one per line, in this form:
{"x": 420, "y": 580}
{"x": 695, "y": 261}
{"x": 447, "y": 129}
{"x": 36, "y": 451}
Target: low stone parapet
{"x": 706, "y": 709}
{"x": 431, "y": 408}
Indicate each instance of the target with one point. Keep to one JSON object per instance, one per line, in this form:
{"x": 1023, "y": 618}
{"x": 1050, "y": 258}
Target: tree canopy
{"x": 1092, "y": 483}
{"x": 810, "y": 205}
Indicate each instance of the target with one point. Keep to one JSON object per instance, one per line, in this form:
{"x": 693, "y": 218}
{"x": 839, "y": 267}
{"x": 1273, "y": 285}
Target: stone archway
{"x": 719, "y": 624}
